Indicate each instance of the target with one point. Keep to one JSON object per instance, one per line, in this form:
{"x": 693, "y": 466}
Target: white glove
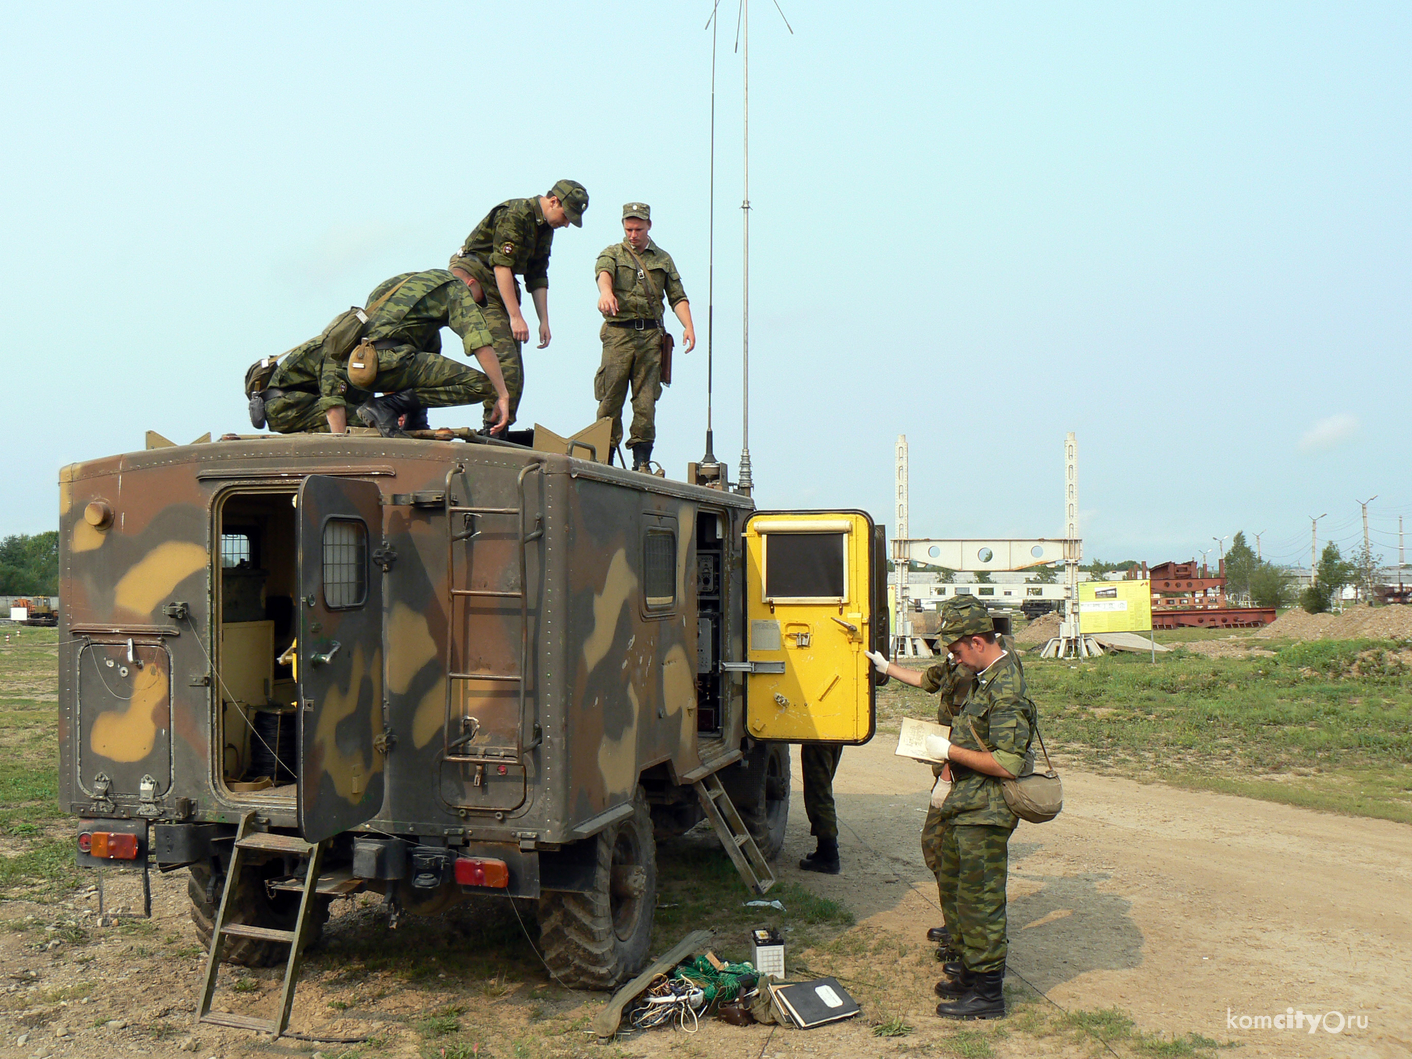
{"x": 938, "y": 747}
{"x": 940, "y": 790}
{"x": 879, "y": 661}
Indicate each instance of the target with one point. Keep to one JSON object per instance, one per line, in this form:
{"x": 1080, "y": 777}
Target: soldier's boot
{"x": 642, "y": 456}
{"x": 940, "y": 935}
{"x": 382, "y": 412}
{"x": 984, "y": 1000}
{"x": 953, "y": 967}
{"x": 824, "y": 859}
{"x": 952, "y": 988}
{"x": 416, "y": 417}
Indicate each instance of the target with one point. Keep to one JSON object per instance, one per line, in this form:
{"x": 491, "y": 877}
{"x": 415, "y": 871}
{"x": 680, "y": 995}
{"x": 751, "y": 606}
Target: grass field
{"x": 1321, "y": 724}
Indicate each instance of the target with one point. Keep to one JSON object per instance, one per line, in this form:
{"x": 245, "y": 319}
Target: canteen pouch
{"x": 363, "y": 365}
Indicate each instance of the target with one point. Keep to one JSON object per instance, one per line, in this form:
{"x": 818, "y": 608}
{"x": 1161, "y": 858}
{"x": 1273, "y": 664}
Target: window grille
{"x": 660, "y": 568}
{"x": 235, "y": 549}
{"x": 345, "y": 563}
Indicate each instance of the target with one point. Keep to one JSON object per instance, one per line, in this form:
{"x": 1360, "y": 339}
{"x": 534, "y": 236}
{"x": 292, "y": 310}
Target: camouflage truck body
{"x": 426, "y": 651}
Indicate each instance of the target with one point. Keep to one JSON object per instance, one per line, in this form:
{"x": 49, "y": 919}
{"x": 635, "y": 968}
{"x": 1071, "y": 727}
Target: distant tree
{"x": 1331, "y": 574}
{"x": 1097, "y": 568}
{"x": 1047, "y": 575}
{"x": 29, "y": 565}
{"x": 982, "y": 577}
{"x": 1271, "y": 586}
{"x": 1365, "y": 571}
{"x": 1241, "y": 565}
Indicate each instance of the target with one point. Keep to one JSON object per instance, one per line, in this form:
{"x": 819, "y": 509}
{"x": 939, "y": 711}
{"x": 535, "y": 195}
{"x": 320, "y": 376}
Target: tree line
{"x": 29, "y": 565}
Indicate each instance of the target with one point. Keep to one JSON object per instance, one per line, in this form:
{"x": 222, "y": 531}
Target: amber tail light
{"x": 482, "y": 871}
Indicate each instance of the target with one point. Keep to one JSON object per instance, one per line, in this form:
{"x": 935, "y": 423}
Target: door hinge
{"x": 385, "y": 555}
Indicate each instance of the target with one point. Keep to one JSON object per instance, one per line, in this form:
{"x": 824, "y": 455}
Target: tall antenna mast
{"x": 709, "y": 464}
{"x": 747, "y": 483}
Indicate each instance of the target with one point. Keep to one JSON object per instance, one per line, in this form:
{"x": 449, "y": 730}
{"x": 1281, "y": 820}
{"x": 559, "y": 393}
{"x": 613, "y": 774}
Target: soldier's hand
{"x": 519, "y": 328}
{"x": 879, "y": 661}
{"x": 608, "y": 304}
{"x": 938, "y": 746}
{"x": 688, "y": 339}
{"x": 544, "y": 335}
{"x": 502, "y": 414}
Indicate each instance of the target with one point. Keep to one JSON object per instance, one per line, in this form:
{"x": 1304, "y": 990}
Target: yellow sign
{"x": 1115, "y": 606}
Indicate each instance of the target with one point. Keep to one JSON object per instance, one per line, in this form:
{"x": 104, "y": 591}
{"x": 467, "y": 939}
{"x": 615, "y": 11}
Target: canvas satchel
{"x": 668, "y": 342}
{"x": 1034, "y": 796}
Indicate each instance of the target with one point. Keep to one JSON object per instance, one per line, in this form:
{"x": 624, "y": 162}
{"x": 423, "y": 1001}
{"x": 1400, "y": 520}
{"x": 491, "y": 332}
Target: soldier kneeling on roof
{"x": 310, "y": 390}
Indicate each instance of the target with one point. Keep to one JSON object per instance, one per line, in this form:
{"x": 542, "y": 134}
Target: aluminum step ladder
{"x": 263, "y": 842}
{"x": 734, "y": 835}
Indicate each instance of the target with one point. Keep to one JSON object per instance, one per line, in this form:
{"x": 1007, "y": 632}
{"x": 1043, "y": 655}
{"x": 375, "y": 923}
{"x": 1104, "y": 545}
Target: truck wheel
{"x": 252, "y": 905}
{"x": 764, "y": 808}
{"x": 596, "y": 940}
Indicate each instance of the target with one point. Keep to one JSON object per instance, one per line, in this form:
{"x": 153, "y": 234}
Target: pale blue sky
{"x": 1180, "y": 230}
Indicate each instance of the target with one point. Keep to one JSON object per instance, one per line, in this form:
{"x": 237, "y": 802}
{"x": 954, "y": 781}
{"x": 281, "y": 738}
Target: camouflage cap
{"x": 961, "y": 617}
{"x": 640, "y": 210}
{"x": 573, "y": 196}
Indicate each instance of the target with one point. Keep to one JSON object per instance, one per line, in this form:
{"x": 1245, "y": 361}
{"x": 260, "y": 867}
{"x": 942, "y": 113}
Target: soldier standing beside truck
{"x": 633, "y": 277}
{"x": 514, "y": 239}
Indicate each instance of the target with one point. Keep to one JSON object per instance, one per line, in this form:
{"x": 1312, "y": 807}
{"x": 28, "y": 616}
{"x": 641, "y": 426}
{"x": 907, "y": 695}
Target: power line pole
{"x": 1258, "y": 557}
{"x": 902, "y": 627}
{"x": 1314, "y": 545}
{"x": 1366, "y": 558}
{"x": 1401, "y": 555}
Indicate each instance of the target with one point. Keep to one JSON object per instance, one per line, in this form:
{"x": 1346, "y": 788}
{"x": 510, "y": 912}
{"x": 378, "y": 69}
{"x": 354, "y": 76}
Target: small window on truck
{"x": 345, "y": 563}
{"x": 805, "y": 565}
{"x": 659, "y": 563}
{"x": 235, "y": 549}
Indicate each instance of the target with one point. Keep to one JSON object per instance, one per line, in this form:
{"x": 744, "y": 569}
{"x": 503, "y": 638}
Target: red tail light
{"x": 109, "y": 845}
{"x": 482, "y": 871}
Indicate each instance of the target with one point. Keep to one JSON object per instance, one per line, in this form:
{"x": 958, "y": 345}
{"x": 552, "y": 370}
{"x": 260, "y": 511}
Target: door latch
{"x": 752, "y": 667}
{"x": 323, "y": 658}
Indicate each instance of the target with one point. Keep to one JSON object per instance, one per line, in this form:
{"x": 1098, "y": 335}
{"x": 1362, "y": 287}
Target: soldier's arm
{"x": 607, "y": 300}
{"x": 505, "y": 283}
{"x": 331, "y": 390}
{"x": 337, "y": 417}
{"x": 490, "y": 364}
{"x": 688, "y": 329}
{"x": 540, "y": 297}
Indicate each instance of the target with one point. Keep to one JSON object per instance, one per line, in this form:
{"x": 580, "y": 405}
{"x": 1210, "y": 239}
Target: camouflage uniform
{"x": 631, "y": 355}
{"x": 978, "y": 823}
{"x": 407, "y": 331}
{"x": 292, "y": 397}
{"x": 516, "y": 236}
{"x": 953, "y": 682}
{"x": 818, "y": 762}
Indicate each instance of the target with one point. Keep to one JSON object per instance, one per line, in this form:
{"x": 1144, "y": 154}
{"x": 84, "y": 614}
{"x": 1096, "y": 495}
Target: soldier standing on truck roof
{"x": 406, "y": 332}
{"x": 991, "y": 736}
{"x": 633, "y": 277}
{"x": 515, "y": 239}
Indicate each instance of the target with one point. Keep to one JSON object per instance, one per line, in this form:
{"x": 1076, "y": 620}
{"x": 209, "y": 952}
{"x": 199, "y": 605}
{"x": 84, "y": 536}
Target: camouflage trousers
{"x": 630, "y": 357}
{"x": 507, "y": 351}
{"x": 818, "y": 763}
{"x": 977, "y": 857}
{"x": 436, "y": 381}
{"x": 933, "y": 835}
{"x": 295, "y": 412}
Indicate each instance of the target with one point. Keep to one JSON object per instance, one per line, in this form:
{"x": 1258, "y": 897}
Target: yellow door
{"x": 810, "y": 615}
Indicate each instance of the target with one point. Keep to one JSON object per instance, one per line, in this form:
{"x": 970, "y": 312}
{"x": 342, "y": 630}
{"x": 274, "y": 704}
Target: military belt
{"x": 636, "y": 325}
{"x": 387, "y": 343}
{"x": 272, "y": 393}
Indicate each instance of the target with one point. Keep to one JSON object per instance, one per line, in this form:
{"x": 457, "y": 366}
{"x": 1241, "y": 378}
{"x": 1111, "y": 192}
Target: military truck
{"x": 302, "y": 666}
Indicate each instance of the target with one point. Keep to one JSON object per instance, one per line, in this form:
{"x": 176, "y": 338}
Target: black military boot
{"x": 824, "y": 859}
{"x": 984, "y": 1000}
{"x": 382, "y": 412}
{"x": 416, "y": 416}
{"x": 642, "y": 456}
{"x": 956, "y": 986}
{"x": 940, "y": 935}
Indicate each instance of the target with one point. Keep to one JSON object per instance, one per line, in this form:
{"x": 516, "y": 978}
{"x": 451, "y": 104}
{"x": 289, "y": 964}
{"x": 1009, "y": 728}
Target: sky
{"x": 1180, "y": 231}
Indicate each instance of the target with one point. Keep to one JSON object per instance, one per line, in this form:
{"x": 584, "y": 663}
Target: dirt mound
{"x": 1362, "y": 622}
{"x": 1040, "y": 630}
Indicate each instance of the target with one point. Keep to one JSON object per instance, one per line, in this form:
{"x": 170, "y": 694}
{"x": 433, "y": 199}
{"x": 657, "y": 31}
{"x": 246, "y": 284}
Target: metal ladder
{"x": 734, "y": 835}
{"x": 266, "y": 842}
{"x": 456, "y": 741}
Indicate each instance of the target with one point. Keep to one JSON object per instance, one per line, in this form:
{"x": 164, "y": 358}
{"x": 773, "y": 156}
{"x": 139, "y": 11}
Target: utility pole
{"x": 1314, "y": 545}
{"x": 902, "y": 627}
{"x": 1366, "y": 581}
{"x": 1258, "y": 557}
{"x": 1221, "y": 544}
{"x": 1401, "y": 554}
{"x": 747, "y": 482}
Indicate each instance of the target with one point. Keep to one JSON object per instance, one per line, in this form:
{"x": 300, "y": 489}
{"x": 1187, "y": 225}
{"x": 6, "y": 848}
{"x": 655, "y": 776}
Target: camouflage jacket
{"x": 299, "y": 368}
{"x": 1004, "y": 718}
{"x": 514, "y": 235}
{"x": 414, "y": 316}
{"x": 634, "y": 302}
{"x": 952, "y": 681}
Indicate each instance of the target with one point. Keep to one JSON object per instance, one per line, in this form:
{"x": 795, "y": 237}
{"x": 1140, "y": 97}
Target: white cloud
{"x": 1329, "y": 433}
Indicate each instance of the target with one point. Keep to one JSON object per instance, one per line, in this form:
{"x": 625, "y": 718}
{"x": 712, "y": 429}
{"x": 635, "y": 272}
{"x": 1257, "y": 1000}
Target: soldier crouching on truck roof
{"x": 405, "y": 330}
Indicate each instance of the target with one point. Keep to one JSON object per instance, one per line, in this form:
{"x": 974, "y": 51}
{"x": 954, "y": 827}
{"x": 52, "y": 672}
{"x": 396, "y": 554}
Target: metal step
{"x": 270, "y": 842}
{"x": 338, "y": 883}
{"x": 245, "y": 930}
{"x": 754, "y": 869}
{"x": 239, "y": 1022}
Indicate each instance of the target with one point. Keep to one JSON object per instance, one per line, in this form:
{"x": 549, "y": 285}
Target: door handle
{"x": 852, "y": 629}
{"x": 323, "y": 658}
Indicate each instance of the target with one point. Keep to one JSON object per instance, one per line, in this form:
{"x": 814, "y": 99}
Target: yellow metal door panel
{"x": 809, "y": 618}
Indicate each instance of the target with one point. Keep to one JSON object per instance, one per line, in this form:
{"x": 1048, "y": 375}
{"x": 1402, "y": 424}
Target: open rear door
{"x": 340, "y": 655}
{"x": 810, "y": 615}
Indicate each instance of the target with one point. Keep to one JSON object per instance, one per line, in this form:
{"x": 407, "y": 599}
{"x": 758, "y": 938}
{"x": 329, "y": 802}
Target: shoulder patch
{"x": 508, "y": 249}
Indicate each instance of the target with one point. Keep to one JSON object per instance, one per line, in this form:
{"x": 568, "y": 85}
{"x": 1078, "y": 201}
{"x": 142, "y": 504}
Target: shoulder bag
{"x": 1035, "y": 796}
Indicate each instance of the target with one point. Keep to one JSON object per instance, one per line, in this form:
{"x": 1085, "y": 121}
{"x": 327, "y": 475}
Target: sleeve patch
{"x": 508, "y": 249}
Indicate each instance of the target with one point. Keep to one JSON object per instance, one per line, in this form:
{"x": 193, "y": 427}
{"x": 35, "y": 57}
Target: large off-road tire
{"x": 252, "y": 904}
{"x": 760, "y": 792}
{"x": 597, "y": 940}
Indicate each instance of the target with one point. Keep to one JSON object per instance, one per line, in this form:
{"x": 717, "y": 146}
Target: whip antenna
{"x": 710, "y": 468}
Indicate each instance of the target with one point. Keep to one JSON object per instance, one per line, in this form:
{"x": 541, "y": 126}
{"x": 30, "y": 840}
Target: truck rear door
{"x": 340, "y": 663}
{"x": 812, "y": 609}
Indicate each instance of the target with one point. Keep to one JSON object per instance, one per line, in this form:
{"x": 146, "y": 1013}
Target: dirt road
{"x": 1184, "y": 909}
